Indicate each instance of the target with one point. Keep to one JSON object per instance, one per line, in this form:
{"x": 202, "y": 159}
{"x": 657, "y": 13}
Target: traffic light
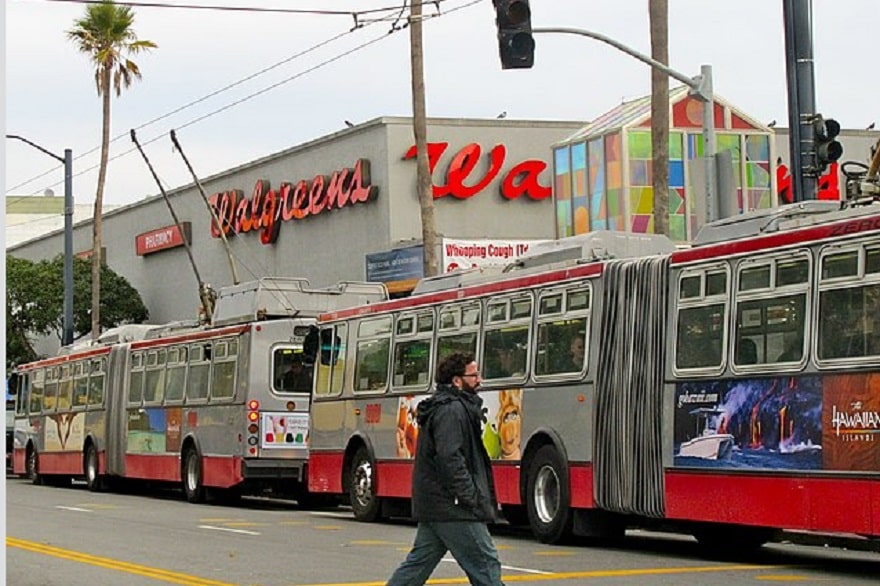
{"x": 828, "y": 150}
{"x": 515, "y": 43}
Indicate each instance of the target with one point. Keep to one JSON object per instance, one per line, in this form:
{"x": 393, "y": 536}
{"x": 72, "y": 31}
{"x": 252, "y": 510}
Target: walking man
{"x": 453, "y": 491}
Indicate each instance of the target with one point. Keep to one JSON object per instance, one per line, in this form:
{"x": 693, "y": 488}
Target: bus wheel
{"x": 192, "y": 476}
{"x": 93, "y": 478}
{"x": 362, "y": 487}
{"x": 548, "y": 499}
{"x": 32, "y": 464}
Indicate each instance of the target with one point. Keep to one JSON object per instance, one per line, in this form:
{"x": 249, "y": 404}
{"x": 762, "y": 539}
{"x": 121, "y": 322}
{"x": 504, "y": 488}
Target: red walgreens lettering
{"x": 267, "y": 207}
{"x": 521, "y": 179}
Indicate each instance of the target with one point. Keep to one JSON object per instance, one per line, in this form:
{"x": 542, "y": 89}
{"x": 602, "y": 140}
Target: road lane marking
{"x": 524, "y": 570}
{"x": 111, "y": 564}
{"x": 342, "y": 515}
{"x": 576, "y": 575}
{"x": 549, "y": 553}
{"x": 229, "y": 530}
{"x": 77, "y": 509}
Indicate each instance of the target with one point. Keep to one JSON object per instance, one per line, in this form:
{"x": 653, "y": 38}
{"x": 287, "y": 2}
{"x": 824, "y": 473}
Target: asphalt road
{"x": 72, "y": 537}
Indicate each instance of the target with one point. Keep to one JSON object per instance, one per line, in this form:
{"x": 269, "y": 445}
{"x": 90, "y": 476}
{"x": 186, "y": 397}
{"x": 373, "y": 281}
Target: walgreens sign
{"x": 461, "y": 182}
{"x": 268, "y": 208}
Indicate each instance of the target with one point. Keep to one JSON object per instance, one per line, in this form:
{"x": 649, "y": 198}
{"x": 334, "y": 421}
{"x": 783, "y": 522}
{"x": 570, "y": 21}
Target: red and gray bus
{"x": 206, "y": 407}
{"x": 729, "y": 390}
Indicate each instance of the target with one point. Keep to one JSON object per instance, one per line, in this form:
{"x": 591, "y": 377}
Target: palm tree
{"x": 105, "y": 34}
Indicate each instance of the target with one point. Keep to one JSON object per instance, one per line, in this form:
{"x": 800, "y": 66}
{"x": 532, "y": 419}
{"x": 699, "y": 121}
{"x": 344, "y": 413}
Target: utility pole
{"x": 420, "y": 132}
{"x": 67, "y": 161}
{"x": 659, "y": 20}
{"x": 798, "y": 16}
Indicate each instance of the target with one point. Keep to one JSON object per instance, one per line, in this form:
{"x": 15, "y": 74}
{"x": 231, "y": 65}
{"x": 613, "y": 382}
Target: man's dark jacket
{"x": 452, "y": 479}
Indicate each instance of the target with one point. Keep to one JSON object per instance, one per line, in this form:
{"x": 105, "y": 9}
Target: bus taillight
{"x": 253, "y": 428}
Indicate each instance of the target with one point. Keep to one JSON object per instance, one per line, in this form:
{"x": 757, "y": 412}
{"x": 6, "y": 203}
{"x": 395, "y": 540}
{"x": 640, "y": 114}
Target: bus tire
{"x": 94, "y": 482}
{"x": 32, "y": 466}
{"x": 362, "y": 487}
{"x": 548, "y": 498}
{"x": 193, "y": 484}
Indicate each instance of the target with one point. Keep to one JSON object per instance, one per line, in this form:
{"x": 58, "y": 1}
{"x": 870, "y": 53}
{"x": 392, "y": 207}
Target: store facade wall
{"x": 328, "y": 243}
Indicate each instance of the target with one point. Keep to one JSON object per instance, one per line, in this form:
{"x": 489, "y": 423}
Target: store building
{"x": 348, "y": 211}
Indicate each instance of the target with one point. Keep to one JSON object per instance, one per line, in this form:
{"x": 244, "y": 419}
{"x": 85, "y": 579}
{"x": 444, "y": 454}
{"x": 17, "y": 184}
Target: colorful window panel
{"x": 614, "y": 182}
{"x": 758, "y": 186}
{"x": 598, "y": 209}
{"x": 579, "y": 188}
{"x": 641, "y": 192}
{"x": 562, "y": 191}
{"x": 678, "y": 204}
{"x": 732, "y": 143}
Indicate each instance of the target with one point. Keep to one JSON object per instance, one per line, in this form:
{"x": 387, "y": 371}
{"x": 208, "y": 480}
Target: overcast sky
{"x": 51, "y": 98}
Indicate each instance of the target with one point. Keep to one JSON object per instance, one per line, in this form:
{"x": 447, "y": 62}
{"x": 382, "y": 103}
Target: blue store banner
{"x": 401, "y": 264}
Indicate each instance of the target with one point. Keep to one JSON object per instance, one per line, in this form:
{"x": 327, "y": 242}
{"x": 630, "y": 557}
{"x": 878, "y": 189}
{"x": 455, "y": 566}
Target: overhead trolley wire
{"x": 248, "y": 78}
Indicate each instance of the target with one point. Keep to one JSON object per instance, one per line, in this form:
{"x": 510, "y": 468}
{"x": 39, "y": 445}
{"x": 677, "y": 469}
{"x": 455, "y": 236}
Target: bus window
{"x": 223, "y": 382}
{"x": 701, "y": 317}
{"x": 411, "y": 358}
{"x": 849, "y": 306}
{"x": 154, "y": 379}
{"x": 23, "y": 395}
{"x": 96, "y": 382}
{"x": 561, "y": 346}
{"x": 65, "y": 387}
{"x": 199, "y": 373}
{"x": 50, "y": 391}
{"x": 175, "y": 376}
{"x": 371, "y": 360}
{"x": 80, "y": 383}
{"x": 35, "y": 402}
{"x": 412, "y": 350}
{"x": 771, "y": 311}
{"x": 291, "y": 373}
{"x": 136, "y": 379}
{"x": 505, "y": 352}
{"x": 700, "y": 337}
{"x": 459, "y": 329}
{"x": 331, "y": 366}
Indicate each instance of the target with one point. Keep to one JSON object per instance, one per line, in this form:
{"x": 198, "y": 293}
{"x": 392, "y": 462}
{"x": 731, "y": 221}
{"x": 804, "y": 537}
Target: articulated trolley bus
{"x": 728, "y": 390}
{"x": 206, "y": 406}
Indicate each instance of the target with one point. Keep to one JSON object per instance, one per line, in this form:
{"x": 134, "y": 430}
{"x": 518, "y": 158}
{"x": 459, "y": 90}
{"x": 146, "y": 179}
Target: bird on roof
{"x": 502, "y": 115}
{"x": 771, "y": 124}
{"x": 349, "y": 124}
{"x": 870, "y": 126}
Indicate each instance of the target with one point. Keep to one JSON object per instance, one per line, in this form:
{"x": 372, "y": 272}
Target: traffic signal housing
{"x": 515, "y": 43}
{"x": 828, "y": 150}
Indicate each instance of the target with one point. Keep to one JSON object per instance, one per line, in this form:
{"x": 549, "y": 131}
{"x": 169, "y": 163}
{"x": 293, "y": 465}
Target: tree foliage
{"x": 35, "y": 302}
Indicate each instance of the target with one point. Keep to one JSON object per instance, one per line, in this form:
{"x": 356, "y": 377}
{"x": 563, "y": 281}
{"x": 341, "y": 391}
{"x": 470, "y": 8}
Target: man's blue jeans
{"x": 469, "y": 543}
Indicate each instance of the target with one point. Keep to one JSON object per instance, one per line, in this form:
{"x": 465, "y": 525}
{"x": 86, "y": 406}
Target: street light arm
{"x": 693, "y": 83}
{"x": 36, "y": 146}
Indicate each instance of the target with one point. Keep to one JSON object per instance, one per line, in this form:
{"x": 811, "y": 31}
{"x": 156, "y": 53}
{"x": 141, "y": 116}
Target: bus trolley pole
{"x": 205, "y": 294}
{"x": 700, "y": 88}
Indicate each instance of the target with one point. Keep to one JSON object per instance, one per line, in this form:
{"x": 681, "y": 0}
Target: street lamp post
{"x": 67, "y": 160}
{"x": 700, "y": 88}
